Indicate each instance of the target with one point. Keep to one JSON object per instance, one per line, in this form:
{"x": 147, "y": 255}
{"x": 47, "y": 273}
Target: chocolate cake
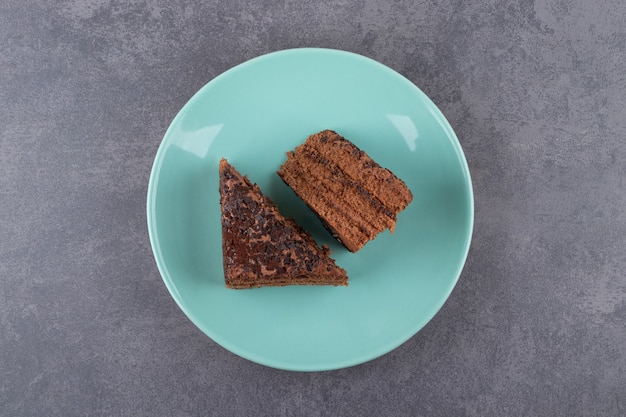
{"x": 261, "y": 247}
{"x": 354, "y": 197}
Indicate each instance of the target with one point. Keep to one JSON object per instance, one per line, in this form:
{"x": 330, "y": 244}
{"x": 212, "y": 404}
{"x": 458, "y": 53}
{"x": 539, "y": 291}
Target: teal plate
{"x": 252, "y": 115}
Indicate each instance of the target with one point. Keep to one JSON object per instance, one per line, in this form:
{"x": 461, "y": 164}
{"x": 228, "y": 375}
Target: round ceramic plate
{"x": 252, "y": 115}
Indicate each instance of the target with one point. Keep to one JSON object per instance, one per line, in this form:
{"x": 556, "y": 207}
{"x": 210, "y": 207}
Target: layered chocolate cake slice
{"x": 354, "y": 197}
{"x": 261, "y": 247}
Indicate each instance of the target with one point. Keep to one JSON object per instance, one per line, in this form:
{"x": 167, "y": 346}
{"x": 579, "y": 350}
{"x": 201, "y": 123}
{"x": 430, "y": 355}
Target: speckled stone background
{"x": 536, "y": 91}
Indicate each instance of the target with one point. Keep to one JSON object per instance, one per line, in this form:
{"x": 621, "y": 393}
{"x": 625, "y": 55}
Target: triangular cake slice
{"x": 261, "y": 247}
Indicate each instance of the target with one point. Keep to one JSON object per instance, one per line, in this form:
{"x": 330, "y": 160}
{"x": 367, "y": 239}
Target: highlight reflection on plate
{"x": 253, "y": 114}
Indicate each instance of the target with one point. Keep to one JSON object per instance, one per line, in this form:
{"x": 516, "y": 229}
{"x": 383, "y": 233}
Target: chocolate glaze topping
{"x": 262, "y": 247}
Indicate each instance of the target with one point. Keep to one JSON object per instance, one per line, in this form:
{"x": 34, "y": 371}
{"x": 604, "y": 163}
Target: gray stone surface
{"x": 536, "y": 91}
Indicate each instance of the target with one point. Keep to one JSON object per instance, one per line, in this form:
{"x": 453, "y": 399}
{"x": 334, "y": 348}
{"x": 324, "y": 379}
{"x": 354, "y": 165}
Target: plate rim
{"x": 242, "y": 352}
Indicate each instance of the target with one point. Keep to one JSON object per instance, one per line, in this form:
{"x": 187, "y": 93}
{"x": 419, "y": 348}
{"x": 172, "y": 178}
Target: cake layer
{"x": 257, "y": 282}
{"x": 354, "y": 197}
{"x": 354, "y": 163}
{"x": 261, "y": 247}
{"x": 321, "y": 200}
